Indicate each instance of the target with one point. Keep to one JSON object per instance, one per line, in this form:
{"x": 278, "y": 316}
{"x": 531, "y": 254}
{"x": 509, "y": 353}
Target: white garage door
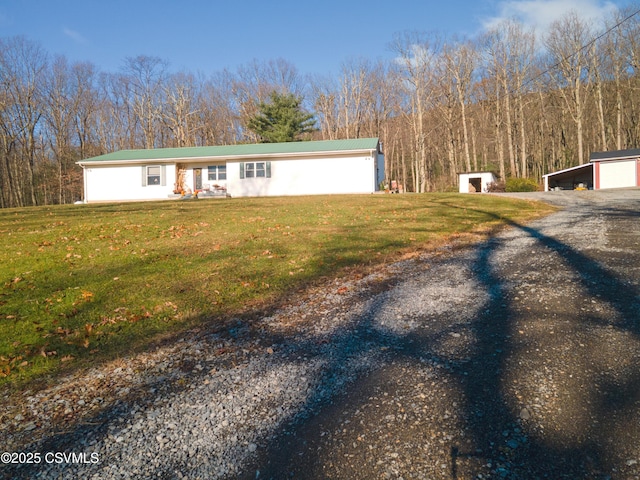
{"x": 618, "y": 174}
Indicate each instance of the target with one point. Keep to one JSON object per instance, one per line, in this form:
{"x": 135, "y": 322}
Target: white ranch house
{"x": 252, "y": 170}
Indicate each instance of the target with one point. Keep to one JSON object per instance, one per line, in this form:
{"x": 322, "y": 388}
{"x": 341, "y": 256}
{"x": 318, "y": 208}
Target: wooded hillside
{"x": 509, "y": 101}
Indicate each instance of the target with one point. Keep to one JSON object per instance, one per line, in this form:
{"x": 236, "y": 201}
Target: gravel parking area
{"x": 516, "y": 358}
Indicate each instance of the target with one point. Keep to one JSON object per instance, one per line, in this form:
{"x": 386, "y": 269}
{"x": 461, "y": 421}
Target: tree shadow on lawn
{"x": 499, "y": 442}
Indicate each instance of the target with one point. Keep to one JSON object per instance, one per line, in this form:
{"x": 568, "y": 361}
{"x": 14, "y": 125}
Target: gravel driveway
{"x": 517, "y": 358}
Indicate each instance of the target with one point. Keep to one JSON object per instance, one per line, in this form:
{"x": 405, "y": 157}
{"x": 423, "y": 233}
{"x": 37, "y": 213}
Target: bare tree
{"x": 179, "y": 114}
{"x": 146, "y": 77}
{"x": 568, "y": 66}
{"x": 622, "y": 48}
{"x": 382, "y": 99}
{"x": 116, "y": 118}
{"x": 353, "y": 93}
{"x": 87, "y": 103}
{"x": 416, "y": 57}
{"x": 460, "y": 61}
{"x": 509, "y": 56}
{"x": 59, "y": 119}
{"x": 22, "y": 64}
{"x": 218, "y": 117}
{"x": 325, "y": 102}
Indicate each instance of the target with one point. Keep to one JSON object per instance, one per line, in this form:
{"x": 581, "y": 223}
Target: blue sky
{"x": 209, "y": 36}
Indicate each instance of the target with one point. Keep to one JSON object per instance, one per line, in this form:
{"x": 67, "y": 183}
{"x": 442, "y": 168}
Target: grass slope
{"x": 81, "y": 284}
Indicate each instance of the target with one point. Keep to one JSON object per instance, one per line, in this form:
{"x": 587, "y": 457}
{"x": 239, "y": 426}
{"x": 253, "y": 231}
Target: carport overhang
{"x": 570, "y": 178}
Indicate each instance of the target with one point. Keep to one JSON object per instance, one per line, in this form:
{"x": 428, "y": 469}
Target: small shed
{"x": 475, "y": 182}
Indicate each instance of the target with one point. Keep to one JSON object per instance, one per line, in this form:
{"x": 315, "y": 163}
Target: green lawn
{"x": 80, "y": 284}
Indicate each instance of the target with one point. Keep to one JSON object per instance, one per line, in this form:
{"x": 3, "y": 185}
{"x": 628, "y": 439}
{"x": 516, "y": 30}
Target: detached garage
{"x": 617, "y": 169}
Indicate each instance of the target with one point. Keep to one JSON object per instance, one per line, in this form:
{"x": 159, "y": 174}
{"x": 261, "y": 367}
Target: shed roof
{"x": 478, "y": 173}
{"x": 242, "y": 150}
{"x": 584, "y": 166}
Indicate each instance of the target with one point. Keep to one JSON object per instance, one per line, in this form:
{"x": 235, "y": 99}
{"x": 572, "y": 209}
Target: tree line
{"x": 508, "y": 100}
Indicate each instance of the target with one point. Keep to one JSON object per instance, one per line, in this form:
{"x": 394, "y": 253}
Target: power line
{"x": 584, "y": 47}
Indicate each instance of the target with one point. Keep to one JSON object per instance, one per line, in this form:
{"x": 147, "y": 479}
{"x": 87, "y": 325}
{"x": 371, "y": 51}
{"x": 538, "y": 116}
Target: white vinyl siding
{"x": 482, "y": 179}
{"x": 308, "y": 176}
{"x": 122, "y": 182}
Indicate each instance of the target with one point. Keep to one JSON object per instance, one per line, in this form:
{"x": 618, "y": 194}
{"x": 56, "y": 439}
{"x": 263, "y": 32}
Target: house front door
{"x": 197, "y": 179}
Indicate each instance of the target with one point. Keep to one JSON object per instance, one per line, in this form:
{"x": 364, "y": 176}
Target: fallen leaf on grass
{"x": 86, "y": 295}
{"x": 64, "y": 331}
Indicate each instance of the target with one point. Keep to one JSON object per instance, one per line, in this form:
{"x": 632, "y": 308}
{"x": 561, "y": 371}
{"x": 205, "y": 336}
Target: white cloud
{"x": 73, "y": 35}
{"x": 540, "y": 14}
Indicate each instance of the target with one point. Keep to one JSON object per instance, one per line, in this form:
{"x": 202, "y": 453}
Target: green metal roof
{"x": 226, "y": 151}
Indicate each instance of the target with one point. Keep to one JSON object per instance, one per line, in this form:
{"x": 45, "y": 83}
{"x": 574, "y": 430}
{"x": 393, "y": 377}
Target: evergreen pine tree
{"x": 282, "y": 119}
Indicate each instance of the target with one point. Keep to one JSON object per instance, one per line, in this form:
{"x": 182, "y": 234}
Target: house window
{"x": 255, "y": 170}
{"x": 217, "y": 172}
{"x": 153, "y": 175}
